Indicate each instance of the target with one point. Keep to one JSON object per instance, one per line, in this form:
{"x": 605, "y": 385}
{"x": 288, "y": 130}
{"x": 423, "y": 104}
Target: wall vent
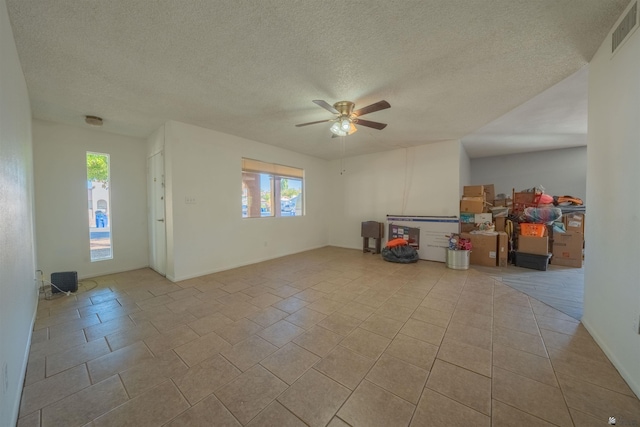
{"x": 628, "y": 23}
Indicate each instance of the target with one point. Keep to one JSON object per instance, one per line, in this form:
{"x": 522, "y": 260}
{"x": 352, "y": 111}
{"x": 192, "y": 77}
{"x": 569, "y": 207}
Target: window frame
{"x": 275, "y": 173}
{"x": 91, "y": 202}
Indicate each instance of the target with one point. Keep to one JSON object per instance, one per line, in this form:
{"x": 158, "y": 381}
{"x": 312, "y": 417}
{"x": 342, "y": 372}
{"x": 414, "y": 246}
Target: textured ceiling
{"x": 252, "y": 68}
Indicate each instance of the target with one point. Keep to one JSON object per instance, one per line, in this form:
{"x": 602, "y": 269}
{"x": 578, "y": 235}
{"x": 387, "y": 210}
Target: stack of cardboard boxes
{"x": 488, "y": 248}
{"x": 500, "y": 211}
{"x": 478, "y": 206}
{"x": 477, "y": 198}
{"x": 564, "y": 249}
{"x": 533, "y": 250}
{"x": 567, "y": 247}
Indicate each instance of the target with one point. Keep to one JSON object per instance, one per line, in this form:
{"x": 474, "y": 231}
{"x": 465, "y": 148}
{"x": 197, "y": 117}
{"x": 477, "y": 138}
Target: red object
{"x": 545, "y": 199}
{"x": 464, "y": 244}
{"x": 396, "y": 242}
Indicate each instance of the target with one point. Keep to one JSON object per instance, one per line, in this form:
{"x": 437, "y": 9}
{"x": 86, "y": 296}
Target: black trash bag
{"x": 404, "y": 254}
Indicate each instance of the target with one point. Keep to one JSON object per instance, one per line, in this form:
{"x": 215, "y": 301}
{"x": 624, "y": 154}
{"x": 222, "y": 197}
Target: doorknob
{"x": 160, "y": 220}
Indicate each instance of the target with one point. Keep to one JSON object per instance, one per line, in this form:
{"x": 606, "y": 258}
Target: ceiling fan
{"x": 344, "y": 123}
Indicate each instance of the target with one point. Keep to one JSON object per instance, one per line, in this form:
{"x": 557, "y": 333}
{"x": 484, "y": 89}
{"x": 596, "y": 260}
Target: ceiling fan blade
{"x": 370, "y": 124}
{"x": 313, "y": 123}
{"x": 325, "y": 105}
{"x": 380, "y": 105}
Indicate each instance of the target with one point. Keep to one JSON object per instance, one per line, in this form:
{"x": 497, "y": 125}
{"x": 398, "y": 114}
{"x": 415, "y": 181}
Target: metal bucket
{"x": 458, "y": 260}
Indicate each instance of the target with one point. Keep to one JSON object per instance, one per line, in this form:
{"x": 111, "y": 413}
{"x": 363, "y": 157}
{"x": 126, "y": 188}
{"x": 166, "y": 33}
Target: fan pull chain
{"x": 344, "y": 143}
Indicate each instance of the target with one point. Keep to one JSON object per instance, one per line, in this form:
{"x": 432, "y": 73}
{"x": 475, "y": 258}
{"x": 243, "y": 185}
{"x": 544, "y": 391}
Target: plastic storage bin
{"x": 535, "y": 230}
{"x": 536, "y": 262}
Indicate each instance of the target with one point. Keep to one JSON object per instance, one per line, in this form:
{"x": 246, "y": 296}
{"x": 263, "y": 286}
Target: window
{"x": 271, "y": 190}
{"x": 99, "y": 215}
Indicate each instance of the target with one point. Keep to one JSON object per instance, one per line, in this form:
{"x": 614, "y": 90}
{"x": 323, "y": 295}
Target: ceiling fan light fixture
{"x": 336, "y": 129}
{"x": 343, "y": 123}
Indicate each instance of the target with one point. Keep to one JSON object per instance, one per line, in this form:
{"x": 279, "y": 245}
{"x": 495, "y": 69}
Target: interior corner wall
{"x": 62, "y": 221}
{"x": 18, "y": 289}
{"x": 210, "y": 235}
{"x": 561, "y": 172}
{"x": 612, "y": 271}
{"x": 155, "y": 142}
{"x": 421, "y": 180}
{"x": 465, "y": 169}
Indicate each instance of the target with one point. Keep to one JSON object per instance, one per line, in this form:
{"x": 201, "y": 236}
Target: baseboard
{"x": 346, "y": 247}
{"x": 108, "y": 272}
{"x": 633, "y": 384}
{"x": 242, "y": 264}
{"x": 23, "y": 372}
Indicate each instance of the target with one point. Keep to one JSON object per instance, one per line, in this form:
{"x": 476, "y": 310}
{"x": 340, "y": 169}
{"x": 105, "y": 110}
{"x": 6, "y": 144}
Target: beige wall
{"x": 61, "y": 199}
{"x": 422, "y": 180}
{"x": 211, "y": 235}
{"x": 612, "y": 271}
{"x": 18, "y": 289}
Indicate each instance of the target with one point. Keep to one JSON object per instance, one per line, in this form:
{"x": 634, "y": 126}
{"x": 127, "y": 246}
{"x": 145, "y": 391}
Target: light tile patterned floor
{"x": 327, "y": 337}
{"x": 560, "y": 287}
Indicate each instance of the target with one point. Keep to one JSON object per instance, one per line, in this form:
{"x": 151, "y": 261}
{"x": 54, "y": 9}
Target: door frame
{"x": 156, "y": 210}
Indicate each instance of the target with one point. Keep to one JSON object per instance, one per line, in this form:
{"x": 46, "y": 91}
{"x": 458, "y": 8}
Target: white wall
{"x": 612, "y": 270}
{"x": 423, "y": 180}
{"x": 18, "y": 289}
{"x": 465, "y": 169}
{"x": 155, "y": 142}
{"x": 62, "y": 224}
{"x": 211, "y": 234}
{"x": 560, "y": 172}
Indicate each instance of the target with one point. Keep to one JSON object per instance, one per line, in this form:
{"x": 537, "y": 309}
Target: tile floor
{"x": 330, "y": 337}
{"x": 560, "y": 287}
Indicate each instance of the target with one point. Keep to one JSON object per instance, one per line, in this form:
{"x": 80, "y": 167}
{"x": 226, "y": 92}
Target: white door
{"x": 157, "y": 231}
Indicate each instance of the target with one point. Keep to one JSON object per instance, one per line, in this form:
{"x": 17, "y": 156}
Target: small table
{"x": 372, "y": 230}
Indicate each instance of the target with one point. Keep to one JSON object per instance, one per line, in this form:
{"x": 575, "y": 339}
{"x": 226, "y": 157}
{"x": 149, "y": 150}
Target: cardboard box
{"x": 500, "y": 222}
{"x": 472, "y": 204}
{"x": 483, "y": 249}
{"x": 503, "y": 249}
{"x": 490, "y": 193}
{"x": 467, "y": 227}
{"x": 567, "y": 249}
{"x": 481, "y": 218}
{"x": 467, "y": 218}
{"x": 473, "y": 191}
{"x": 507, "y": 203}
{"x": 533, "y": 245}
{"x": 574, "y": 222}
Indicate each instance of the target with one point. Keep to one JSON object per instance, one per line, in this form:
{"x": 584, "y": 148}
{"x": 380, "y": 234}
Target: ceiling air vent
{"x": 627, "y": 24}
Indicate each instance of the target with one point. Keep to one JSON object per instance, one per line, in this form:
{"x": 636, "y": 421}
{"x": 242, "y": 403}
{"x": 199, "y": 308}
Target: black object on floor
{"x": 64, "y": 281}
